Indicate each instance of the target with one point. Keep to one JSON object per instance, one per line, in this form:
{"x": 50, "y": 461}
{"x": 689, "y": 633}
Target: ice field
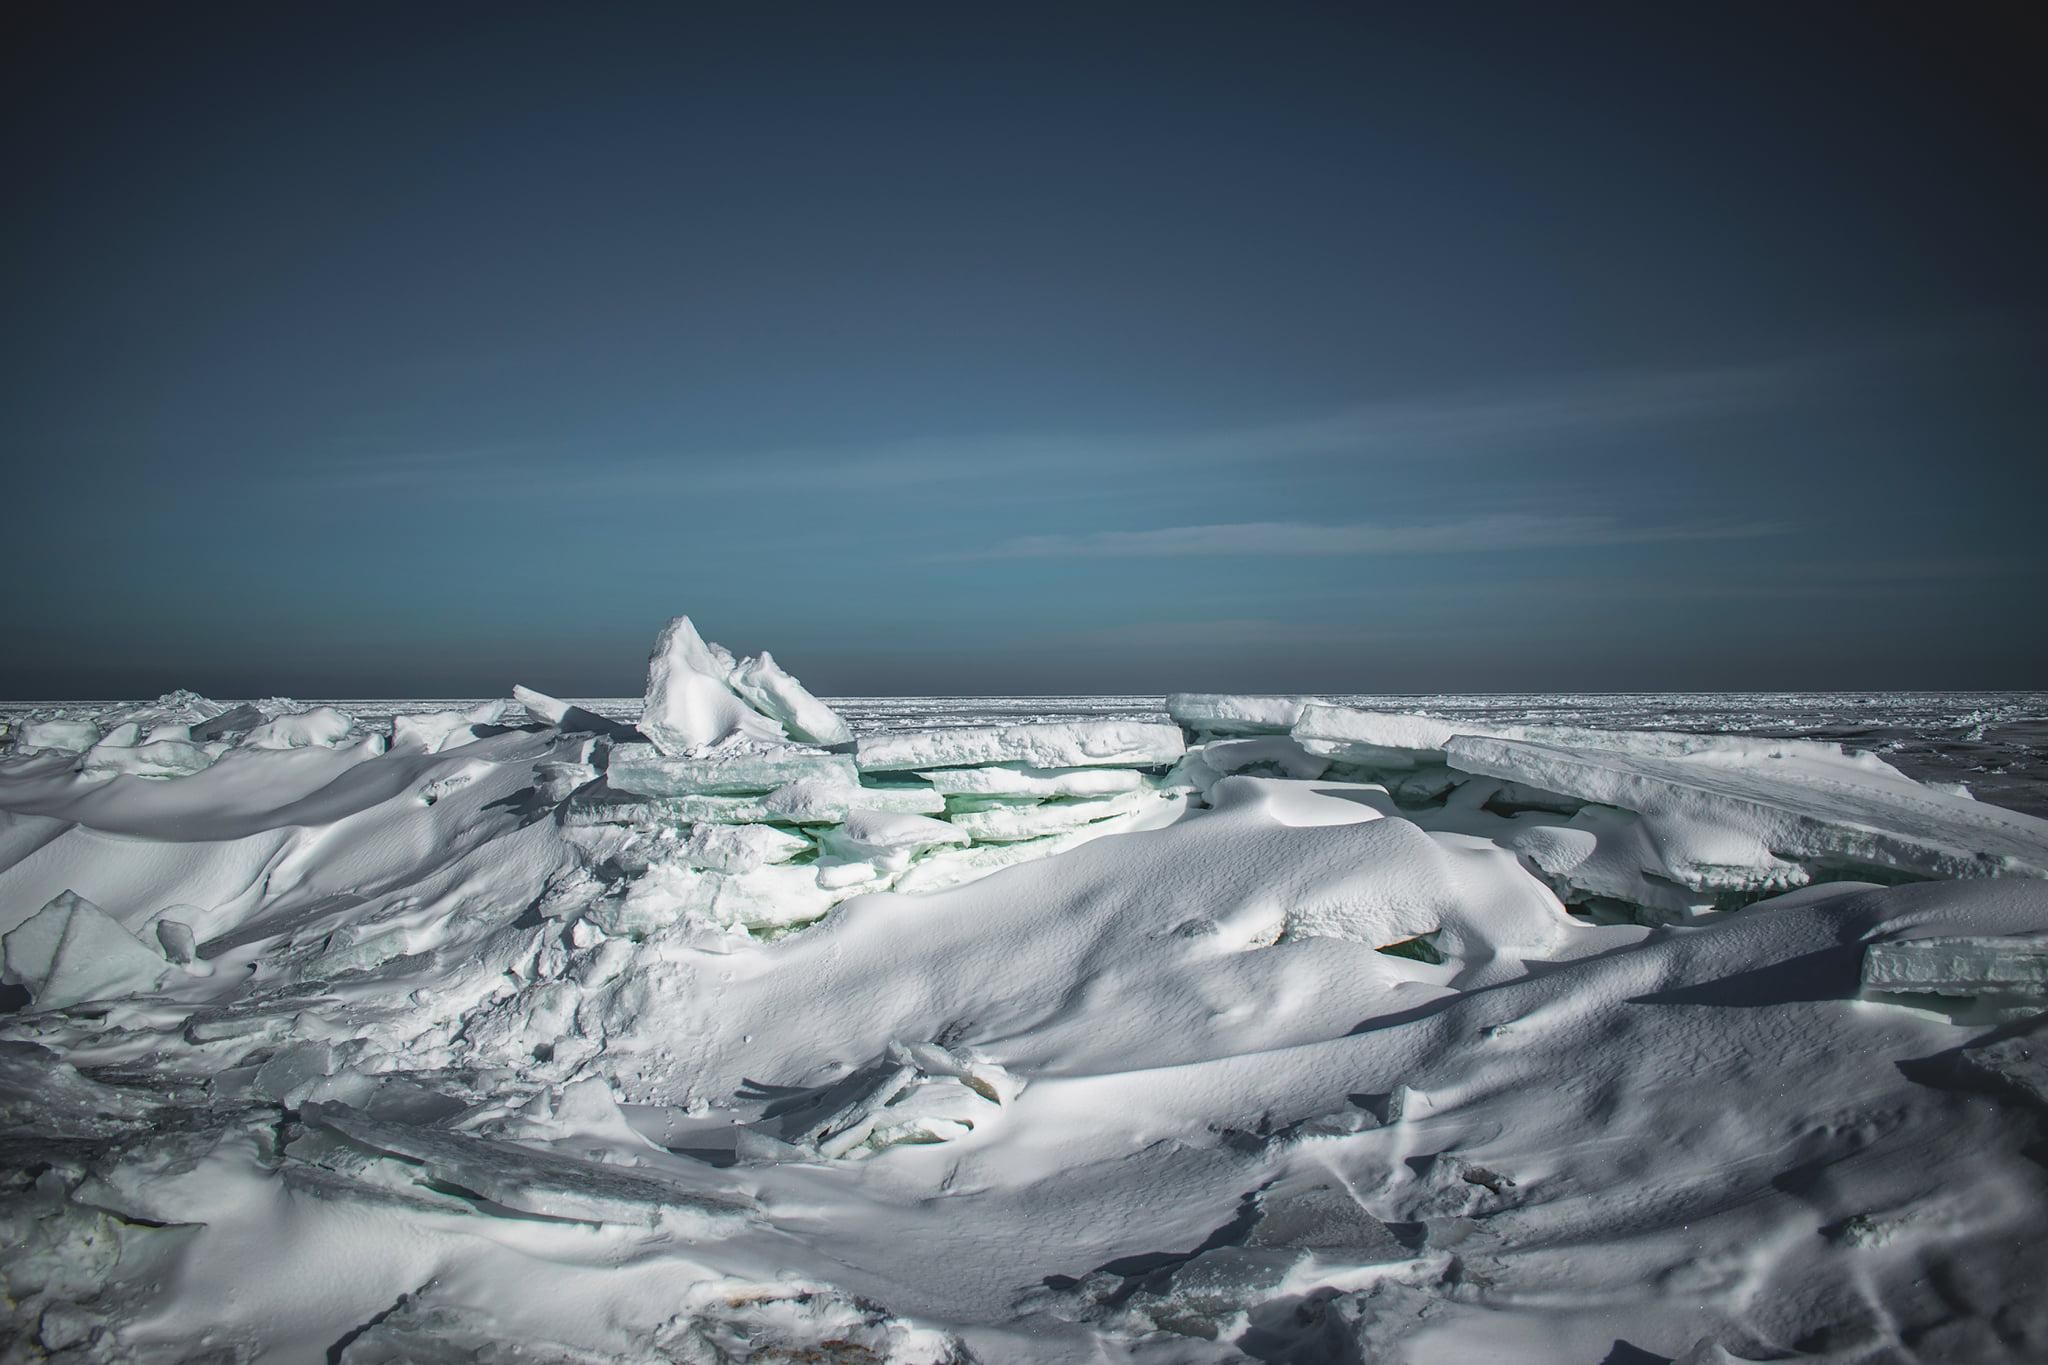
{"x": 729, "y": 1023}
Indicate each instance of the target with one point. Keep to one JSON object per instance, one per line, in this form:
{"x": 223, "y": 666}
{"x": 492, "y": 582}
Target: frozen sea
{"x": 1994, "y": 743}
{"x": 396, "y": 1036}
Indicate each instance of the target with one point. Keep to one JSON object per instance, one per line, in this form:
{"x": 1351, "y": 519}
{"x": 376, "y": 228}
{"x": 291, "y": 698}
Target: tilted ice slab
{"x": 772, "y": 691}
{"x": 70, "y": 951}
{"x": 536, "y": 1183}
{"x": 1007, "y": 824}
{"x": 1380, "y": 739}
{"x": 829, "y": 799}
{"x": 1974, "y": 965}
{"x": 1398, "y": 741}
{"x": 644, "y": 769}
{"x": 1224, "y": 713}
{"x": 1073, "y": 744}
{"x": 567, "y": 716}
{"x": 1830, "y": 811}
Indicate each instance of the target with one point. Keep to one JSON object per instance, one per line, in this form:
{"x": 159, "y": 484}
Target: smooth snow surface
{"x": 1021, "y": 1034}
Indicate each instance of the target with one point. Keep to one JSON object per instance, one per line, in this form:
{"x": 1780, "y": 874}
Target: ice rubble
{"x": 545, "y": 1038}
{"x": 912, "y": 806}
{"x": 914, "y": 1093}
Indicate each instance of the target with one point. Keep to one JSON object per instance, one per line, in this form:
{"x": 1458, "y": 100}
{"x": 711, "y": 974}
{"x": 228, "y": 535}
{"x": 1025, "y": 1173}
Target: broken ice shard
{"x": 1326, "y": 1219}
{"x": 1006, "y": 824}
{"x": 689, "y": 703}
{"x": 71, "y": 951}
{"x": 771, "y": 690}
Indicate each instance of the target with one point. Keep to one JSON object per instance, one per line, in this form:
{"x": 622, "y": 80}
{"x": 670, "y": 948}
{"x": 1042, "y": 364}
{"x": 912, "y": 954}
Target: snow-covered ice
{"x": 1218, "y": 714}
{"x": 646, "y": 770}
{"x": 1032, "y": 1030}
{"x": 1106, "y": 743}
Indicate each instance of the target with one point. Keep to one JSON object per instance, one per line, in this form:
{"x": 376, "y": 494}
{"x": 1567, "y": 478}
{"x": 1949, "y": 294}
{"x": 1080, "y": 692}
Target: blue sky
{"x": 374, "y": 352}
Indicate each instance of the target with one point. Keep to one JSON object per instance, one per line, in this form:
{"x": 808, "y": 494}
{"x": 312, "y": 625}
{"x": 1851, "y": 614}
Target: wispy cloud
{"x": 1451, "y": 422}
{"x": 1464, "y": 535}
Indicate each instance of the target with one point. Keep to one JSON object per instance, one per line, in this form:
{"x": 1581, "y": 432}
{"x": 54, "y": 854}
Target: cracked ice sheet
{"x": 1707, "y": 1135}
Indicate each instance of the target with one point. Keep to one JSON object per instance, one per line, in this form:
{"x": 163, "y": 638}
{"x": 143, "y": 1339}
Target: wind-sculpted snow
{"x": 514, "y": 1031}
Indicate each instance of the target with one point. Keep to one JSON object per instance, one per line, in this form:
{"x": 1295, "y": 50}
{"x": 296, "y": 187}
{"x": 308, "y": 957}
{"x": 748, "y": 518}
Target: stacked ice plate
{"x": 747, "y": 806}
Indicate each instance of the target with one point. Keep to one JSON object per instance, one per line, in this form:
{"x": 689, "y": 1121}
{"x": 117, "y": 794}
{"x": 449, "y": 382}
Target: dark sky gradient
{"x": 363, "y": 350}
